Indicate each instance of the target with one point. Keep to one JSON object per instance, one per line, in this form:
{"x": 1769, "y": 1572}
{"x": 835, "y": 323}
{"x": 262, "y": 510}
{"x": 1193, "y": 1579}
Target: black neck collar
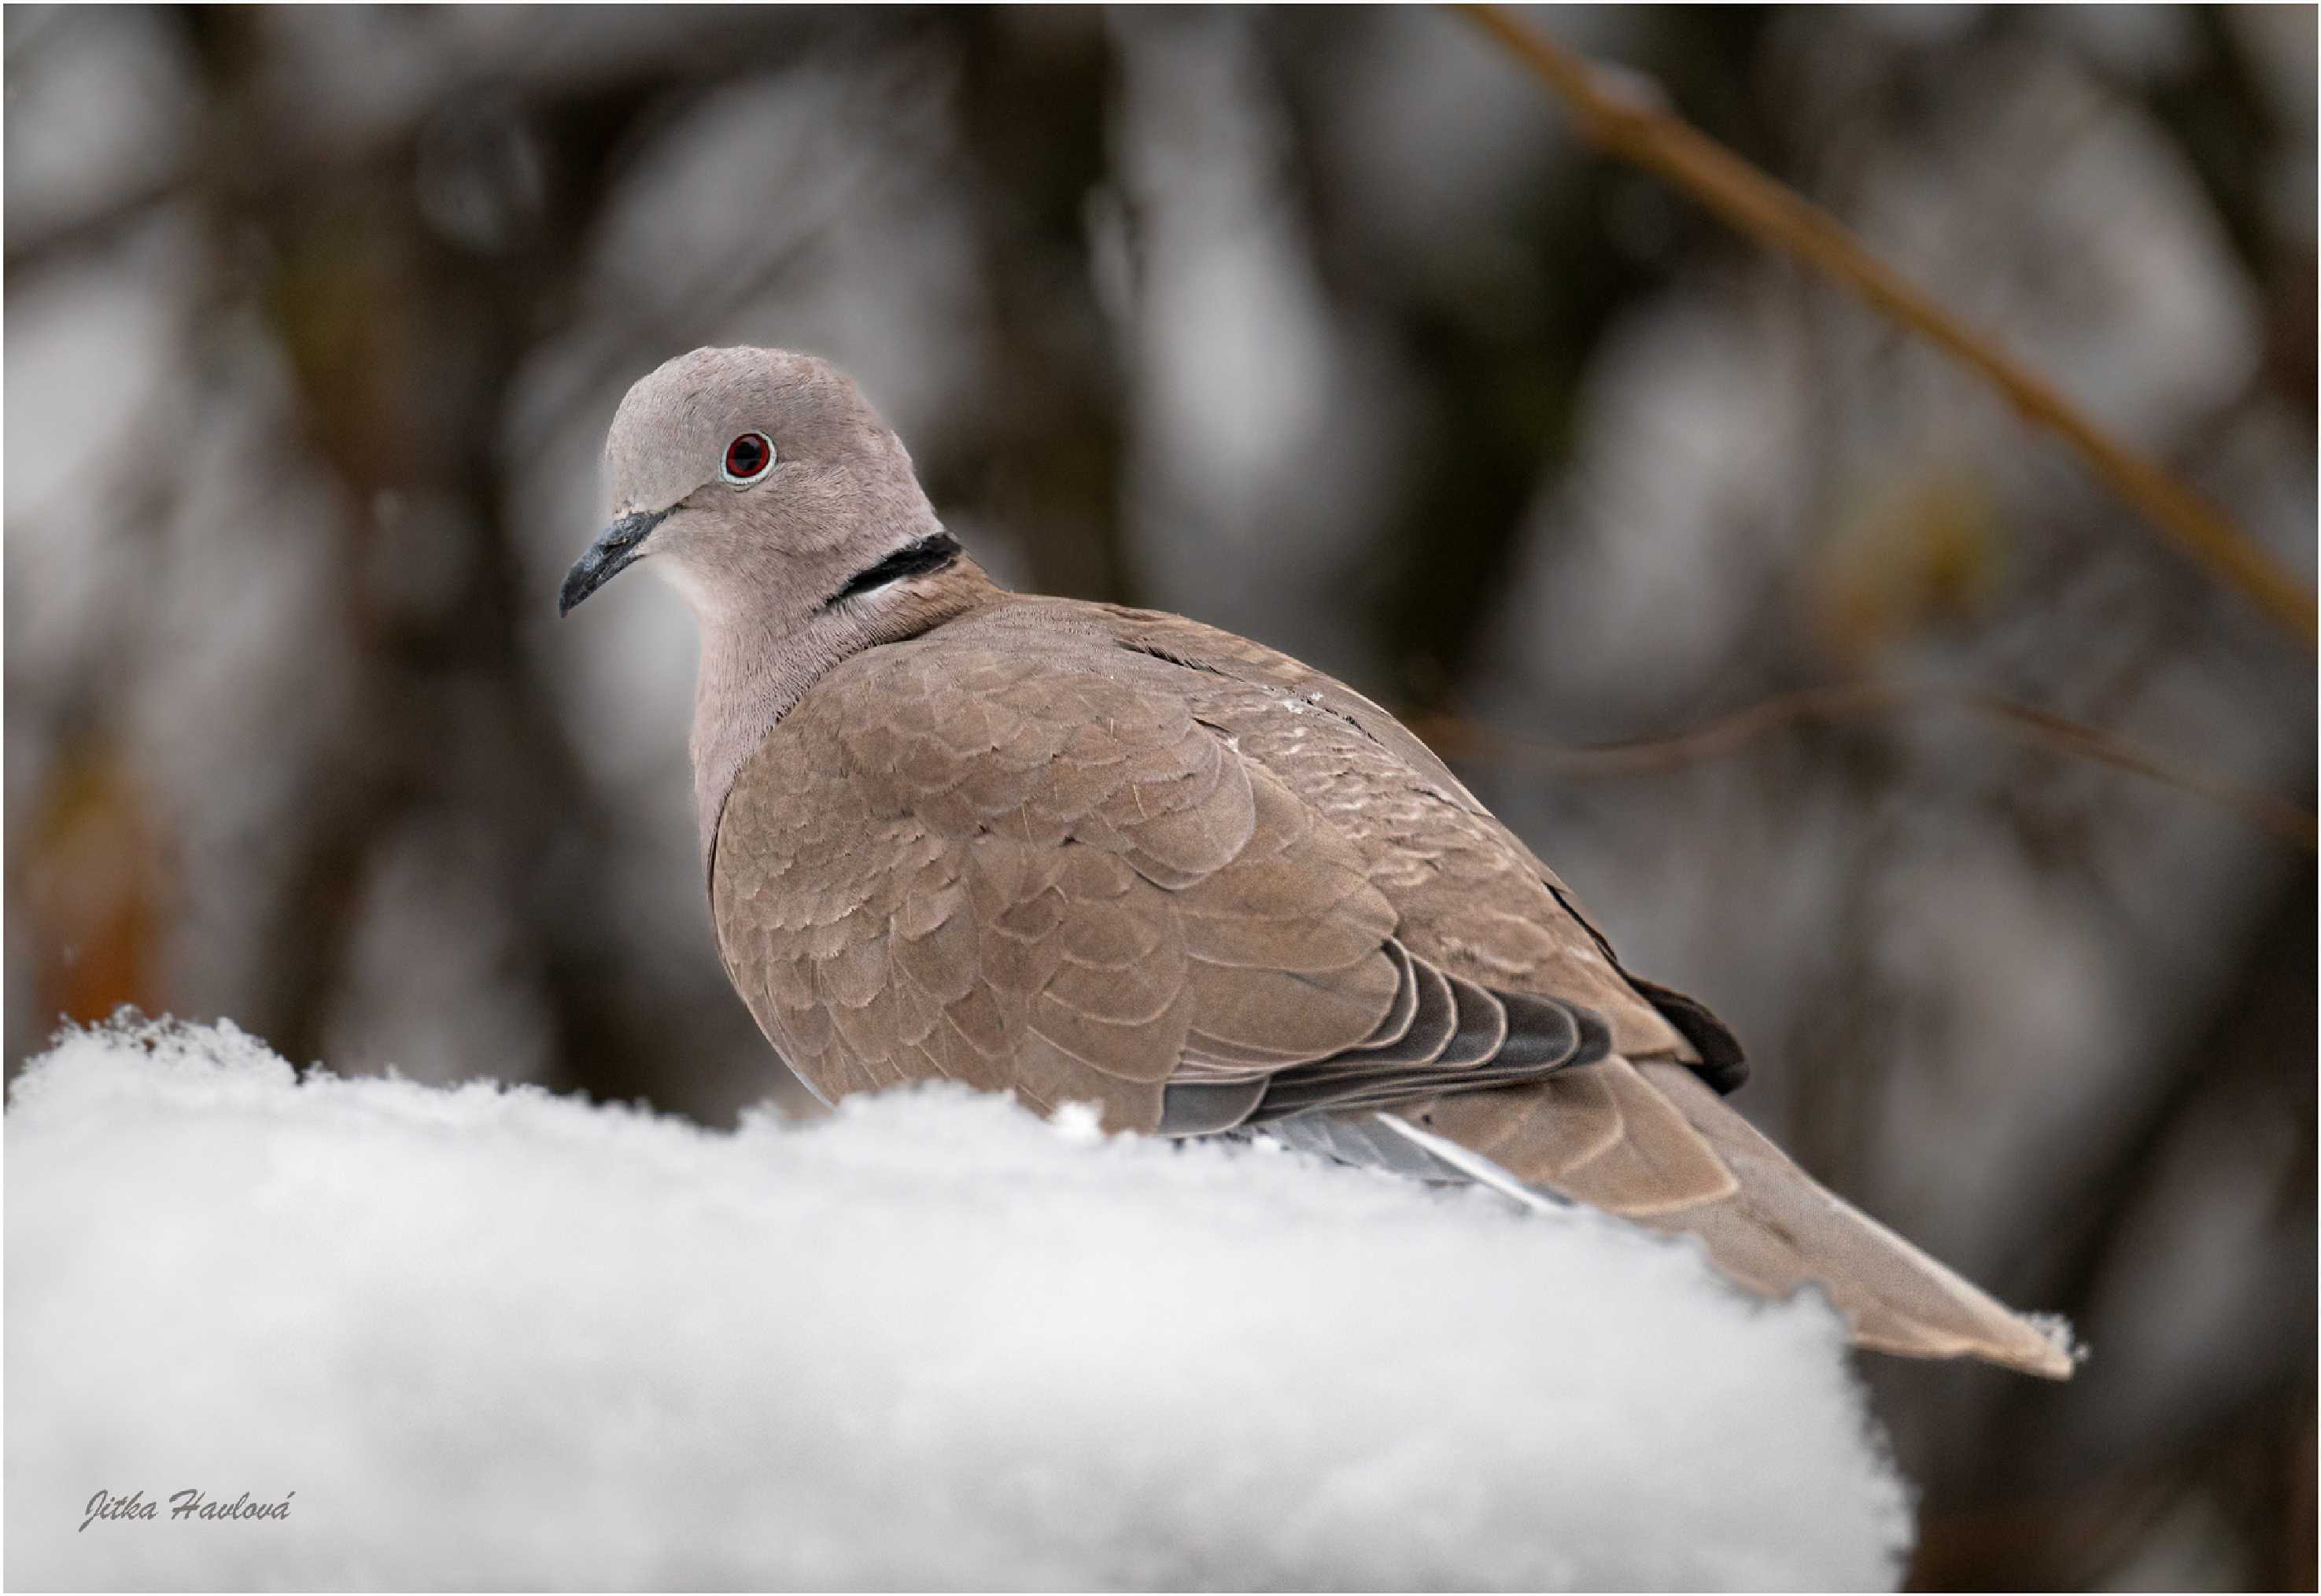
{"x": 935, "y": 552}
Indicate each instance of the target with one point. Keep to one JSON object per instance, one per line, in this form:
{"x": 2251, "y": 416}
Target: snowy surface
{"x": 494, "y": 1338}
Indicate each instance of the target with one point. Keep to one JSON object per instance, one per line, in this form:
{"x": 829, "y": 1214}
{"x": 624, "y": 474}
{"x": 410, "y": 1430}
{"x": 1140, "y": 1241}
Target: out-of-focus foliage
{"x": 1323, "y": 327}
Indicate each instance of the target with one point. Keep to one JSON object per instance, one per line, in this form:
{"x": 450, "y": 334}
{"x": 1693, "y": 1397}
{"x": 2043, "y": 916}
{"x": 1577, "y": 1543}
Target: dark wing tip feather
{"x": 1722, "y": 1063}
{"x": 1482, "y": 1027}
{"x": 1457, "y": 1036}
{"x": 1541, "y": 1032}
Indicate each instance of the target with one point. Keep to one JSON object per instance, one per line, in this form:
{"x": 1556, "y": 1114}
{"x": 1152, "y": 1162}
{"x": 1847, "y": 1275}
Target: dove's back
{"x": 1086, "y": 853}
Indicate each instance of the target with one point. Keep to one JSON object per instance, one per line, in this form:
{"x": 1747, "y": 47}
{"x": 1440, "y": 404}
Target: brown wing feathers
{"x": 1458, "y": 1038}
{"x": 987, "y": 866}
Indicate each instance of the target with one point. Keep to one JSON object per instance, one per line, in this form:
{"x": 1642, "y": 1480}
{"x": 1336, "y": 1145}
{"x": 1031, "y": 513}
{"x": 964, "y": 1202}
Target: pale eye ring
{"x": 747, "y": 458}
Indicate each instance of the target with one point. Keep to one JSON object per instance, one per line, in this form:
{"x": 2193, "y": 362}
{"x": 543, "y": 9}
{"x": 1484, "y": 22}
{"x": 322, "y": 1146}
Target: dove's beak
{"x": 614, "y": 551}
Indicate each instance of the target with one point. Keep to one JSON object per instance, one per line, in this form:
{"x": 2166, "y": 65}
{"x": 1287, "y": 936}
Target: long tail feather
{"x": 1654, "y": 1143}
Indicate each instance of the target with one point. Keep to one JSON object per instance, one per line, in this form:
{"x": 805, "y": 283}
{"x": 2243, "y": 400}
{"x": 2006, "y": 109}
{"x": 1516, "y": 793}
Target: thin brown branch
{"x": 1616, "y": 114}
{"x": 1455, "y": 739}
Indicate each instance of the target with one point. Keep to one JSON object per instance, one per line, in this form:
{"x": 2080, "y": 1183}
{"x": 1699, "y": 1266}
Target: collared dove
{"x": 1093, "y": 854}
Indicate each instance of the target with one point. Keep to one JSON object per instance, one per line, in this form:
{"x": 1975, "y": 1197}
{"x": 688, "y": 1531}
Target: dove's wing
{"x": 1039, "y": 869}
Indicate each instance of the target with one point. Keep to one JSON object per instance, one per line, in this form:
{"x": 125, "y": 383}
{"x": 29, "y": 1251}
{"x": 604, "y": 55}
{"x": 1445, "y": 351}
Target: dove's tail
{"x": 1651, "y": 1142}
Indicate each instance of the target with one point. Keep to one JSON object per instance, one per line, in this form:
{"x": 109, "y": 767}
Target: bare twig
{"x": 1616, "y": 117}
{"x": 1455, "y": 739}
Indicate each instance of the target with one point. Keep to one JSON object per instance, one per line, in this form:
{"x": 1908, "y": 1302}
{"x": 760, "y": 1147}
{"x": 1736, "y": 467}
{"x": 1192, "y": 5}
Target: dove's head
{"x": 765, "y": 487}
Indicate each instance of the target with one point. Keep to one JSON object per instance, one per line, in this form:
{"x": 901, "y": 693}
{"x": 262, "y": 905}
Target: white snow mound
{"x": 493, "y": 1338}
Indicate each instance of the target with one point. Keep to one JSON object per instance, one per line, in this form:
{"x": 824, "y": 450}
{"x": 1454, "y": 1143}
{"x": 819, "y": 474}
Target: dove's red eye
{"x": 748, "y": 457}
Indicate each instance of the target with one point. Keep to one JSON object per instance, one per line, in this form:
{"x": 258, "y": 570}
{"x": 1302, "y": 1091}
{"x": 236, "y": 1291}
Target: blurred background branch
{"x": 1455, "y": 738}
{"x": 1623, "y": 114}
